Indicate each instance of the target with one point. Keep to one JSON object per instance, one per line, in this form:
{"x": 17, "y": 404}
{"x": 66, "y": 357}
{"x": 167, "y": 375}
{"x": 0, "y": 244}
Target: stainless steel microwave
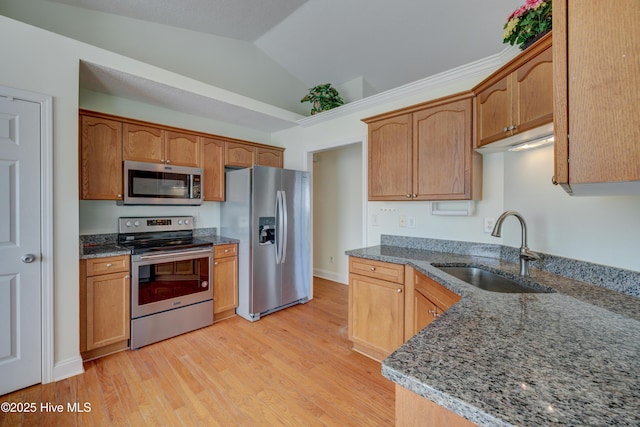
{"x": 159, "y": 184}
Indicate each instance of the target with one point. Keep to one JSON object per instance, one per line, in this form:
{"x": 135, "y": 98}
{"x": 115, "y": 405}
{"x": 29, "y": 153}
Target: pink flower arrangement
{"x": 528, "y": 21}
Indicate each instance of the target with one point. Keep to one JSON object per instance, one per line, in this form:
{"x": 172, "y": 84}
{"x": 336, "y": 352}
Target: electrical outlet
{"x": 489, "y": 223}
{"x": 402, "y": 221}
{"x": 412, "y": 222}
{"x": 331, "y": 260}
{"x": 375, "y": 222}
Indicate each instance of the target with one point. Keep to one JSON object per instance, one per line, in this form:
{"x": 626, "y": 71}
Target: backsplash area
{"x": 617, "y": 279}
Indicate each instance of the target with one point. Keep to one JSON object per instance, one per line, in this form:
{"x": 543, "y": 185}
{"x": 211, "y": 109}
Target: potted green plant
{"x": 528, "y": 23}
{"x": 322, "y": 98}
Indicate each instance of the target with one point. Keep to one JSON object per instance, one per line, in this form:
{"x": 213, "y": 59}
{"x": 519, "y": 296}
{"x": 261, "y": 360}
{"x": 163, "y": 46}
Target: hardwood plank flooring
{"x": 294, "y": 367}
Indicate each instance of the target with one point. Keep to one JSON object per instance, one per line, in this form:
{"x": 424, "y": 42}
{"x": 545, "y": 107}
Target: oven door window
{"x": 158, "y": 184}
{"x": 174, "y": 279}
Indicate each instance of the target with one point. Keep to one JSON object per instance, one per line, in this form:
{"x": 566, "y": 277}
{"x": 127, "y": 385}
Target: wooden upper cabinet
{"x": 144, "y": 143}
{"x": 100, "y": 158}
{"x": 213, "y": 165}
{"x": 239, "y": 155}
{"x": 443, "y": 151}
{"x": 390, "y": 158}
{"x": 245, "y": 155}
{"x": 182, "y": 149}
{"x": 425, "y": 152}
{"x": 518, "y": 97}
{"x": 597, "y": 96}
{"x": 269, "y": 157}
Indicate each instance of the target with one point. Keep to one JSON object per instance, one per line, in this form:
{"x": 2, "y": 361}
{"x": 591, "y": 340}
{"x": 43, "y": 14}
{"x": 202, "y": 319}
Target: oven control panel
{"x": 147, "y": 224}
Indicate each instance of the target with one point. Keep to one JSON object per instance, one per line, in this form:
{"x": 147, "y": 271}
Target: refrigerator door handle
{"x": 279, "y": 226}
{"x": 285, "y": 223}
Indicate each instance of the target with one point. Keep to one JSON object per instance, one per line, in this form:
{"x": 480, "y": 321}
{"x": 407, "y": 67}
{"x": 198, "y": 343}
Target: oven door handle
{"x": 173, "y": 254}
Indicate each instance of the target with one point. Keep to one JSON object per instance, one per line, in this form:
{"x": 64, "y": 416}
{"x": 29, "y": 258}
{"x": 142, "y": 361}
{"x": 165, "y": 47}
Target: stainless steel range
{"x": 171, "y": 277}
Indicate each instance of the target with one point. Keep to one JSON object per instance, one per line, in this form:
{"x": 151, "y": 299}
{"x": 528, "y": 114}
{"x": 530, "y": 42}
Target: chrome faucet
{"x": 525, "y": 254}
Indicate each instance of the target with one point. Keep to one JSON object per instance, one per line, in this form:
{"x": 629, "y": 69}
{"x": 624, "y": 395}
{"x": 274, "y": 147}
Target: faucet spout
{"x": 525, "y": 254}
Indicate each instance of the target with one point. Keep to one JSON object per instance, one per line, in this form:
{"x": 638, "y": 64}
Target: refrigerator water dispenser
{"x": 267, "y": 230}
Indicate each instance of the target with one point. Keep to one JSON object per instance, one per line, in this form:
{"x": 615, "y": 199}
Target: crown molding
{"x": 478, "y": 69}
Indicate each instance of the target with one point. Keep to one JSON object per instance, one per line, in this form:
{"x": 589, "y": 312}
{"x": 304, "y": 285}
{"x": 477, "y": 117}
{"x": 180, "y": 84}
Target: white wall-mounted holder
{"x": 436, "y": 210}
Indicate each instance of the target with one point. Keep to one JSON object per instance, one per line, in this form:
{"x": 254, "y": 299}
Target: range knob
{"x": 186, "y": 222}
{"x": 136, "y": 223}
{"x": 179, "y": 222}
{"x": 127, "y": 224}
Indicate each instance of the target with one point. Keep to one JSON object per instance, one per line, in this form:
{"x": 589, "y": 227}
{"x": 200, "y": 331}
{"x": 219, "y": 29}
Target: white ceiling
{"x": 388, "y": 43}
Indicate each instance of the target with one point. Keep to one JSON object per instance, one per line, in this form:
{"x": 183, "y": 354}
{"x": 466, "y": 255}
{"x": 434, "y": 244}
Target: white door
{"x": 20, "y": 245}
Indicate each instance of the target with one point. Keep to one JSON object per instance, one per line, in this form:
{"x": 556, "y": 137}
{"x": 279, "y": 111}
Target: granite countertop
{"x": 571, "y": 357}
{"x": 104, "y": 245}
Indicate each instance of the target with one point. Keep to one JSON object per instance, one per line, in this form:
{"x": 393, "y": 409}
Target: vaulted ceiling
{"x": 386, "y": 43}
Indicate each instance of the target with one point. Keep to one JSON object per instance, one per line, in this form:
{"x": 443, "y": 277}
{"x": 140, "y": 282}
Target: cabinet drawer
{"x": 221, "y": 251}
{"x": 378, "y": 269}
{"x": 106, "y": 265}
{"x": 442, "y": 297}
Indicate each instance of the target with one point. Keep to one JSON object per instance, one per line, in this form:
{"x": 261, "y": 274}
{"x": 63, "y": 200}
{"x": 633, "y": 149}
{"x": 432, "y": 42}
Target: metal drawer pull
{"x": 399, "y": 290}
{"x": 372, "y": 269}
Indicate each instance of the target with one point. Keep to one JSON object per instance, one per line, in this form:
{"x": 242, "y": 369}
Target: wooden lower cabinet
{"x": 389, "y": 303}
{"x": 414, "y": 410}
{"x": 225, "y": 281}
{"x": 376, "y": 307}
{"x": 105, "y": 301}
{"x": 430, "y": 300}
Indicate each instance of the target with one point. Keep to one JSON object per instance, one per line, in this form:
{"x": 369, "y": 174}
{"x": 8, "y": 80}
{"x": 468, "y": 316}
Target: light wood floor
{"x": 292, "y": 367}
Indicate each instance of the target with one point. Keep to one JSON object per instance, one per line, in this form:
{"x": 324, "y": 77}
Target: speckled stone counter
{"x": 571, "y": 357}
{"x": 103, "y": 245}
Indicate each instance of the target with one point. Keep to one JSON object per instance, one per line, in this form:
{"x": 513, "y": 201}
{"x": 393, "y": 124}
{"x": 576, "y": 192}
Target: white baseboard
{"x": 68, "y": 368}
{"x": 331, "y": 275}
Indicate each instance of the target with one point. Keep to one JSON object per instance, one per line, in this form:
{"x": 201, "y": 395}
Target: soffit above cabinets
{"x": 210, "y": 102}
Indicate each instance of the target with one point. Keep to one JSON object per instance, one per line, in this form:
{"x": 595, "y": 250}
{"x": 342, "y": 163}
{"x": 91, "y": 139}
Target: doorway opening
{"x": 338, "y": 209}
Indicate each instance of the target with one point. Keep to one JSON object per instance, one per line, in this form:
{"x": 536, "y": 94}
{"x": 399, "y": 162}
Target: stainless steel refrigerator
{"x": 268, "y": 210}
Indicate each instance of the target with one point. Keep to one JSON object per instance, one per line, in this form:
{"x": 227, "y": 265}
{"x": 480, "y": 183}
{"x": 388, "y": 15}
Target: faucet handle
{"x": 525, "y": 253}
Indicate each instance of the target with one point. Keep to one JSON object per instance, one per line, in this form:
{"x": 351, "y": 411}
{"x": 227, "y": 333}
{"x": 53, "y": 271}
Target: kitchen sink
{"x": 494, "y": 282}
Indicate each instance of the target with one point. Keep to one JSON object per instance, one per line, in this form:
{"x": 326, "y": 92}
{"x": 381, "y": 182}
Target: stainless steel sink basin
{"x": 489, "y": 281}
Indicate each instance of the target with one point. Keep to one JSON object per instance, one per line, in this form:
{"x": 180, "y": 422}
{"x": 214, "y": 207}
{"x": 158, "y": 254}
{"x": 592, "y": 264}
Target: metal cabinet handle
{"x": 28, "y": 258}
{"x": 215, "y": 263}
{"x": 415, "y": 195}
{"x": 126, "y": 277}
{"x": 554, "y": 181}
{"x": 226, "y": 250}
{"x": 399, "y": 290}
{"x": 167, "y": 161}
{"x": 372, "y": 269}
{"x": 109, "y": 265}
{"x": 408, "y": 196}
{"x": 505, "y": 129}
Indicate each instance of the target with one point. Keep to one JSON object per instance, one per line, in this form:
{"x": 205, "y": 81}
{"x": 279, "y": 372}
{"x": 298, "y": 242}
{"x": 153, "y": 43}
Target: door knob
{"x": 28, "y": 258}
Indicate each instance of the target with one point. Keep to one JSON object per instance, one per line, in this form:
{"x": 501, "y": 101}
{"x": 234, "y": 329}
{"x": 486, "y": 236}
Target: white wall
{"x": 235, "y": 65}
{"x": 337, "y": 210}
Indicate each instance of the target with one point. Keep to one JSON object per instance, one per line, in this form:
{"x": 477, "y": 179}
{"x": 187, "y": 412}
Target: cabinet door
{"x": 213, "y": 165}
{"x": 225, "y": 284}
{"x": 182, "y": 149}
{"x": 143, "y": 143}
{"x": 424, "y": 311}
{"x": 597, "y": 82}
{"x": 494, "y": 111}
{"x": 376, "y": 313}
{"x": 269, "y": 157}
{"x": 100, "y": 159}
{"x": 239, "y": 155}
{"x": 442, "y": 151}
{"x": 108, "y": 302}
{"x": 533, "y": 92}
{"x": 390, "y": 161}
